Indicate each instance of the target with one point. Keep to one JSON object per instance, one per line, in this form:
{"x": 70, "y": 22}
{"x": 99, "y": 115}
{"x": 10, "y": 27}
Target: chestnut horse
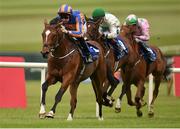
{"x": 138, "y": 73}
{"x": 66, "y": 65}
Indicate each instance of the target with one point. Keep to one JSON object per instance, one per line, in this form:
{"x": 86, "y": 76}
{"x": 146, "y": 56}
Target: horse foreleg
{"x": 42, "y": 111}
{"x": 57, "y": 100}
{"x": 44, "y": 87}
{"x": 107, "y": 99}
{"x": 118, "y": 102}
{"x": 111, "y": 90}
{"x": 73, "y": 92}
{"x": 98, "y": 88}
{"x": 67, "y": 80}
{"x": 138, "y": 97}
{"x": 143, "y": 103}
{"x": 155, "y": 94}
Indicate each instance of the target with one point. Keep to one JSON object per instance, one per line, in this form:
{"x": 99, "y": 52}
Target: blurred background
{"x": 21, "y": 23}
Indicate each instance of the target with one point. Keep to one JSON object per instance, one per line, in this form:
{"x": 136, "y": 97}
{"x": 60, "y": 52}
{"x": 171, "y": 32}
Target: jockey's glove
{"x": 104, "y": 36}
{"x": 63, "y": 29}
{"x": 137, "y": 40}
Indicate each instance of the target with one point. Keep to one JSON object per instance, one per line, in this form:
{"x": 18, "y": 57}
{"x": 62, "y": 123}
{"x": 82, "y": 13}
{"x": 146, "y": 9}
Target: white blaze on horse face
{"x": 47, "y": 33}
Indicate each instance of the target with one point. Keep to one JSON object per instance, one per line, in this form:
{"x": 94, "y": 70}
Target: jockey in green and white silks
{"x": 110, "y": 29}
{"x": 141, "y": 33}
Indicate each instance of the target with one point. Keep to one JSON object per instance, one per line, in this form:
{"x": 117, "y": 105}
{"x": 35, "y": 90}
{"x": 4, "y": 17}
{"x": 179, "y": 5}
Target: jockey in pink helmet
{"x": 74, "y": 25}
{"x": 141, "y": 35}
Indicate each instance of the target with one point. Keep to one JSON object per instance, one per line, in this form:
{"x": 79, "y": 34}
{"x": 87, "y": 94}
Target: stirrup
{"x": 89, "y": 59}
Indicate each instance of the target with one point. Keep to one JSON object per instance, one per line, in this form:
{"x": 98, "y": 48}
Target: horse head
{"x": 50, "y": 35}
{"x": 127, "y": 33}
{"x": 93, "y": 30}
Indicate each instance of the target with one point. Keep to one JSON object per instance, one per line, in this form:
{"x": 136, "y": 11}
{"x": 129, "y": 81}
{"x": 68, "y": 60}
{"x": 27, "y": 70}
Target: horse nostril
{"x": 45, "y": 45}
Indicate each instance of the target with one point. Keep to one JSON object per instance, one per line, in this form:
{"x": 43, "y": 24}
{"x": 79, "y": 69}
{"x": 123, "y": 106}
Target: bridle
{"x": 56, "y": 45}
{"x": 94, "y": 32}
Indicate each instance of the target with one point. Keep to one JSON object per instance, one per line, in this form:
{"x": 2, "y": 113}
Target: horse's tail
{"x": 167, "y": 73}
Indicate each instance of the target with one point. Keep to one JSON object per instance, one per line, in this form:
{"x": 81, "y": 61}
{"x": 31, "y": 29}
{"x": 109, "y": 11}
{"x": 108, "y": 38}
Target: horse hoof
{"x": 70, "y": 118}
{"x": 108, "y": 104}
{"x": 42, "y": 115}
{"x": 139, "y": 113}
{"x": 151, "y": 114}
{"x": 117, "y": 110}
{"x": 112, "y": 99}
{"x": 143, "y": 104}
{"x": 131, "y": 103}
{"x": 50, "y": 114}
{"x": 100, "y": 118}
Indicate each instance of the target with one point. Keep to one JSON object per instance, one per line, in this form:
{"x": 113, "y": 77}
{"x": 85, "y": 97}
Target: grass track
{"x": 167, "y": 113}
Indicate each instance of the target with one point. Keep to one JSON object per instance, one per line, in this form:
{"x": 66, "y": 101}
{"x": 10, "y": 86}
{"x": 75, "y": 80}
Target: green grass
{"x": 21, "y": 21}
{"x": 167, "y": 113}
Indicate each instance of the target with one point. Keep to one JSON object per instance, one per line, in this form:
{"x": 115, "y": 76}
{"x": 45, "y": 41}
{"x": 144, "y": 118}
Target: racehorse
{"x": 93, "y": 34}
{"x": 66, "y": 65}
{"x": 138, "y": 72}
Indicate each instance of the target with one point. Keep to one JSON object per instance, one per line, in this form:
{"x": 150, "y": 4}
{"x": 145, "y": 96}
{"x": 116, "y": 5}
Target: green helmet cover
{"x": 131, "y": 20}
{"x": 98, "y": 13}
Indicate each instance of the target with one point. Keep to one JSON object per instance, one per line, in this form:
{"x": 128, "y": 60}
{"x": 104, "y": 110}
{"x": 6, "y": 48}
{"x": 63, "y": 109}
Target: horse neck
{"x": 65, "y": 46}
{"x": 132, "y": 47}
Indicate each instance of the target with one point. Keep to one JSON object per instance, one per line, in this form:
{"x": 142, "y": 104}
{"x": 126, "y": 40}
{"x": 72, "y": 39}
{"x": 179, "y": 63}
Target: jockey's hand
{"x": 104, "y": 36}
{"x": 63, "y": 29}
{"x": 137, "y": 40}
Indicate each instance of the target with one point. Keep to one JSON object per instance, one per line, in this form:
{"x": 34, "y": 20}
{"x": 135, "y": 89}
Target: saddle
{"x": 94, "y": 51}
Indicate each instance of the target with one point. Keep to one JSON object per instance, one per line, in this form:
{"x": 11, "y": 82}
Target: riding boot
{"x": 86, "y": 50}
{"x": 148, "y": 51}
{"x": 119, "y": 49}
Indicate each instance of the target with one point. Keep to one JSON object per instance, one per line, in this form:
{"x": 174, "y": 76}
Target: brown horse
{"x": 137, "y": 73}
{"x": 65, "y": 64}
{"x": 93, "y": 34}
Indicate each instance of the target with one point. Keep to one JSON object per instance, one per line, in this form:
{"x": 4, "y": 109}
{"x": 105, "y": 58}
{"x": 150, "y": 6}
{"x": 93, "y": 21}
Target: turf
{"x": 167, "y": 113}
{"x": 21, "y": 21}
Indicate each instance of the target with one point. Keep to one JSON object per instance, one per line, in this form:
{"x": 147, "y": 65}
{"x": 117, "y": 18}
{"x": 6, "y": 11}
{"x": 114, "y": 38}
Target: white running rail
{"x": 174, "y": 70}
{"x": 43, "y": 67}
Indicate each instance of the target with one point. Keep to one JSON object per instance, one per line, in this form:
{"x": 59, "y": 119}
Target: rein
{"x": 56, "y": 46}
{"x": 62, "y": 57}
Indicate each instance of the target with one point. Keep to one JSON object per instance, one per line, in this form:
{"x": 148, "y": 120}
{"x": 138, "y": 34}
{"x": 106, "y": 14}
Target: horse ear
{"x": 45, "y": 22}
{"x": 86, "y": 18}
{"x": 59, "y": 24}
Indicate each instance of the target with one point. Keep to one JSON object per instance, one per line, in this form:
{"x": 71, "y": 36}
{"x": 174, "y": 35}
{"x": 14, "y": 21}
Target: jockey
{"x": 74, "y": 25}
{"x": 110, "y": 29}
{"x": 141, "y": 27}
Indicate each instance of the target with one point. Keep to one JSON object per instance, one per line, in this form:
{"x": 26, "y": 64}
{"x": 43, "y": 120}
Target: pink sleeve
{"x": 143, "y": 23}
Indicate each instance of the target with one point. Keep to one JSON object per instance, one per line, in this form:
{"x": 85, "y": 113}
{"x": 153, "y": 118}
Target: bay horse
{"x": 66, "y": 65}
{"x": 138, "y": 73}
{"x": 93, "y": 34}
